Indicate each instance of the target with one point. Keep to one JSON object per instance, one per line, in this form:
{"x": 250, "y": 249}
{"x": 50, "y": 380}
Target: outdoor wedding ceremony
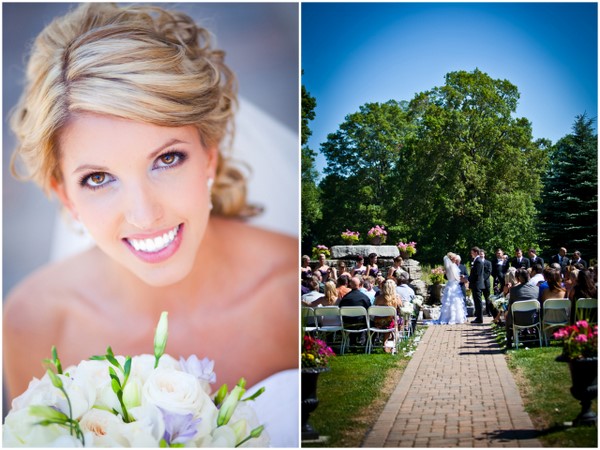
{"x": 448, "y": 280}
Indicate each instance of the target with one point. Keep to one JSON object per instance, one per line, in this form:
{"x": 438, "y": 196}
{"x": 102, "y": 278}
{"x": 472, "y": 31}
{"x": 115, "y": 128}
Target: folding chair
{"x": 375, "y": 312}
{"x": 309, "y": 323}
{"x": 328, "y": 321}
{"x": 556, "y": 313}
{"x": 355, "y": 320}
{"x": 526, "y": 315}
{"x": 586, "y": 308}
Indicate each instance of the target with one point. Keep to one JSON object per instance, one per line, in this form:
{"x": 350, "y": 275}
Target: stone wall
{"x": 385, "y": 259}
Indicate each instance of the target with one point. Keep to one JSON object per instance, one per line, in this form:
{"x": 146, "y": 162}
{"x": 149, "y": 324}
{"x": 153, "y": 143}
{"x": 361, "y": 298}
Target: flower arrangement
{"x": 321, "y": 249}
{"x": 579, "y": 340}
{"x": 378, "y": 231}
{"x": 499, "y": 302}
{"x": 407, "y": 309}
{"x": 437, "y": 275}
{"x": 409, "y": 248}
{"x": 418, "y": 301}
{"x": 144, "y": 401}
{"x": 315, "y": 353}
{"x": 350, "y": 237}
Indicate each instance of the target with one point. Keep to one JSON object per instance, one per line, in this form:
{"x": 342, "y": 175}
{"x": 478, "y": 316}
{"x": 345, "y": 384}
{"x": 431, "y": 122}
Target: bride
{"x": 453, "y": 307}
{"x": 127, "y": 117}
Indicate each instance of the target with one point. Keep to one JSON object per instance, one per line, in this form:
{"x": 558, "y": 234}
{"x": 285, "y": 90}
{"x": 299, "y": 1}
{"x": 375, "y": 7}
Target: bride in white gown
{"x": 453, "y": 306}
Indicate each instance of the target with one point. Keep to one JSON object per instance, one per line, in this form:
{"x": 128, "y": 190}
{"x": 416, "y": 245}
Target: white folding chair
{"x": 355, "y": 320}
{"x": 328, "y": 321}
{"x": 556, "y": 313}
{"x": 586, "y": 308}
{"x": 309, "y": 323}
{"x": 375, "y": 312}
{"x": 526, "y": 315}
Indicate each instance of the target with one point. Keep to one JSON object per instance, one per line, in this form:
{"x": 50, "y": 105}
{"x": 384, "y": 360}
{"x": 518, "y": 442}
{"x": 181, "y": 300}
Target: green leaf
{"x": 255, "y": 395}
{"x": 48, "y": 413}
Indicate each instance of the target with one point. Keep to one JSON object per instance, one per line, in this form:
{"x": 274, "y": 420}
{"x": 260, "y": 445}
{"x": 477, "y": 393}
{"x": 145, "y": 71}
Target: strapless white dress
{"x": 278, "y": 407}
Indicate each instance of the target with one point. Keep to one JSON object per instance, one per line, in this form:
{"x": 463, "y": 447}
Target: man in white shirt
{"x": 537, "y": 273}
{"x": 406, "y": 293}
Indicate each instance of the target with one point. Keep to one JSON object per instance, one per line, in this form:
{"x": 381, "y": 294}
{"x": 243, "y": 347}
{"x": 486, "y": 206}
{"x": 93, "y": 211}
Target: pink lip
{"x": 161, "y": 255}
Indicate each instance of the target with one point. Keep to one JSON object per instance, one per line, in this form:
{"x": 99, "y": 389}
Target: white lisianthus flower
{"x": 148, "y": 428}
{"x": 222, "y": 437}
{"x": 20, "y": 430}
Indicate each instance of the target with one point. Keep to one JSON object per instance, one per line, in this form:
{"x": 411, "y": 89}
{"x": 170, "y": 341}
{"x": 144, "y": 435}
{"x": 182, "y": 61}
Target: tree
{"x": 361, "y": 155}
{"x": 310, "y": 194}
{"x": 570, "y": 200}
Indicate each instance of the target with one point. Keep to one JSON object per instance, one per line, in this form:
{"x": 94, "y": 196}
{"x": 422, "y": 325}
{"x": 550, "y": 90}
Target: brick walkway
{"x": 456, "y": 391}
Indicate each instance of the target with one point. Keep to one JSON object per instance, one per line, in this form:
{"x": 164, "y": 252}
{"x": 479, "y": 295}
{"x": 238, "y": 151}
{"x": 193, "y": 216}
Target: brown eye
{"x": 168, "y": 159}
{"x": 98, "y": 178}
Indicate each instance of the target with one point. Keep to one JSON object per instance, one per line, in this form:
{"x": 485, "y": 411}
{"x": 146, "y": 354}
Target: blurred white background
{"x": 261, "y": 41}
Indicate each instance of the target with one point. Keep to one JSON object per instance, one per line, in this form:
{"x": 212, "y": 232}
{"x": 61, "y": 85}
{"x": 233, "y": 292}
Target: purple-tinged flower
{"x": 581, "y": 338}
{"x": 200, "y": 368}
{"x": 179, "y": 428}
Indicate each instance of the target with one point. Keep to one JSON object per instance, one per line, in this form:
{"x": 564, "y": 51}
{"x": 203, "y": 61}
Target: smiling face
{"x": 141, "y": 190}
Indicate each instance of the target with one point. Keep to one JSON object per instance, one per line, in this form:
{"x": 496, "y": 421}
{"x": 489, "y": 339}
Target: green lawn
{"x": 353, "y": 394}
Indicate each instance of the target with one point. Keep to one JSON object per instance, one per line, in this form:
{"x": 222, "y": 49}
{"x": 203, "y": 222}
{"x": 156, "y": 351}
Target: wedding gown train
{"x": 453, "y": 309}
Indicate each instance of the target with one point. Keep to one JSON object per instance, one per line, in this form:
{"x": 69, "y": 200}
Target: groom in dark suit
{"x": 477, "y": 283}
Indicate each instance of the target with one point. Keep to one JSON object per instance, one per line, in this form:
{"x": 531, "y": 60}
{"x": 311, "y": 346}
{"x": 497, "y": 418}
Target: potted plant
{"x": 377, "y": 235}
{"x": 580, "y": 350}
{"x": 321, "y": 249}
{"x": 316, "y": 355}
{"x": 407, "y": 249}
{"x": 350, "y": 237}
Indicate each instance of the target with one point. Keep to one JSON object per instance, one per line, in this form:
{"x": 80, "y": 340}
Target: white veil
{"x": 452, "y": 272}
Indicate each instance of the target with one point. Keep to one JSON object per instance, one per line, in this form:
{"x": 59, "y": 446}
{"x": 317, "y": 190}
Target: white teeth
{"x": 153, "y": 245}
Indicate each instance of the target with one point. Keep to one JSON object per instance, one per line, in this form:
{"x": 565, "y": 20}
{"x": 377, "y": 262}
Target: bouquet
{"x": 144, "y": 401}
{"x": 499, "y": 302}
{"x": 315, "y": 353}
{"x": 350, "y": 237}
{"x": 321, "y": 249}
{"x": 437, "y": 275}
{"x": 407, "y": 309}
{"x": 418, "y": 301}
{"x": 377, "y": 231}
{"x": 410, "y": 248}
{"x": 579, "y": 341}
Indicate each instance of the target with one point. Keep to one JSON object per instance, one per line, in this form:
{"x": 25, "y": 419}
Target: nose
{"x": 143, "y": 207}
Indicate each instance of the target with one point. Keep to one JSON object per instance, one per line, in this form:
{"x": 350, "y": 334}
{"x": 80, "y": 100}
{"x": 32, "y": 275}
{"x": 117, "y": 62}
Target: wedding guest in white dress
{"x": 453, "y": 309}
{"x": 126, "y": 117}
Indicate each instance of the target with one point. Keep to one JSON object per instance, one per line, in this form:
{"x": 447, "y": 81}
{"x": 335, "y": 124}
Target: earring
{"x": 210, "y": 182}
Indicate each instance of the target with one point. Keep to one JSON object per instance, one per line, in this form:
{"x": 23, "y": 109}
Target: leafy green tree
{"x": 473, "y": 169}
{"x": 310, "y": 194}
{"x": 570, "y": 199}
{"x": 361, "y": 156}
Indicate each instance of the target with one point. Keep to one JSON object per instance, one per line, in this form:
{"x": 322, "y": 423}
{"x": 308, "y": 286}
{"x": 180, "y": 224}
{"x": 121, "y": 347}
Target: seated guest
{"x": 571, "y": 282}
{"x": 537, "y": 274}
{"x": 585, "y": 288}
{"x": 387, "y": 297}
{"x": 368, "y": 289}
{"x": 522, "y": 290}
{"x": 314, "y": 294}
{"x": 355, "y": 298}
{"x": 406, "y": 293}
{"x": 359, "y": 268}
{"x": 330, "y": 298}
{"x": 342, "y": 286}
{"x": 552, "y": 286}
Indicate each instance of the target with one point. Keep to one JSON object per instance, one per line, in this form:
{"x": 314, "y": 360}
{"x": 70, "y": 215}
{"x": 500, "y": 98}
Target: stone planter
{"x": 377, "y": 240}
{"x": 309, "y": 400}
{"x": 584, "y": 376}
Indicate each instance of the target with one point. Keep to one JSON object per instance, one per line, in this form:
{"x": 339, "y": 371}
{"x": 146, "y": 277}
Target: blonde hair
{"x": 388, "y": 292}
{"x": 331, "y": 293}
{"x": 139, "y": 63}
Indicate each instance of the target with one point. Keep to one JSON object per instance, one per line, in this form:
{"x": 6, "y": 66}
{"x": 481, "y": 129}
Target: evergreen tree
{"x": 570, "y": 200}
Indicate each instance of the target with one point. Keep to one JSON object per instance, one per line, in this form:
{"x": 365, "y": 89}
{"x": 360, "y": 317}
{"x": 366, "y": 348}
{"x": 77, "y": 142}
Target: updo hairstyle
{"x": 141, "y": 63}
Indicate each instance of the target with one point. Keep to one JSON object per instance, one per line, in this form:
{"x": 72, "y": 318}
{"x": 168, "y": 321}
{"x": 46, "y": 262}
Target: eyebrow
{"x": 151, "y": 156}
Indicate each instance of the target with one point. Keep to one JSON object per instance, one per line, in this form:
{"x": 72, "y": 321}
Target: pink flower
{"x": 582, "y": 324}
{"x": 581, "y": 338}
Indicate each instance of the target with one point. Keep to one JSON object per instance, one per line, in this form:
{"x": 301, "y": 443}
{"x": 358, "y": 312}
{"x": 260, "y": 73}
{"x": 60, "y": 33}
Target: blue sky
{"x": 354, "y": 53}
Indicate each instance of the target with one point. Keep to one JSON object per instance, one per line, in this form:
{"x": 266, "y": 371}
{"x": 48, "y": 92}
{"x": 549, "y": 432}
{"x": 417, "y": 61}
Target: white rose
{"x": 105, "y": 428}
{"x": 143, "y": 365}
{"x": 181, "y": 393}
{"x": 39, "y": 392}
